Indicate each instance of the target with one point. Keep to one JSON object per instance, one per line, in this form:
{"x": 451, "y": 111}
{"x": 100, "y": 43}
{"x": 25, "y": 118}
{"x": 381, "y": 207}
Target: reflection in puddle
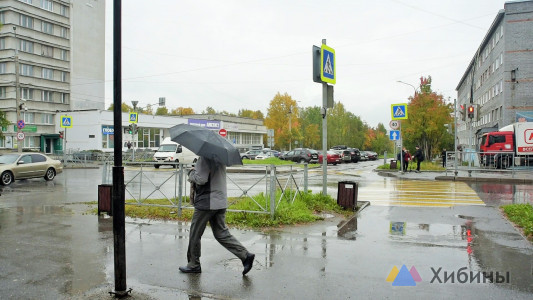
{"x": 502, "y": 193}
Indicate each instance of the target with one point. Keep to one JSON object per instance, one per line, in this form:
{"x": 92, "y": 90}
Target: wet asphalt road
{"x": 51, "y": 248}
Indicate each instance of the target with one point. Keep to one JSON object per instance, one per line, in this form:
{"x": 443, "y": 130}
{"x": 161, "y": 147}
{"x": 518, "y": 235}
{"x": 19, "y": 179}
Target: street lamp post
{"x": 133, "y": 132}
{"x": 401, "y": 136}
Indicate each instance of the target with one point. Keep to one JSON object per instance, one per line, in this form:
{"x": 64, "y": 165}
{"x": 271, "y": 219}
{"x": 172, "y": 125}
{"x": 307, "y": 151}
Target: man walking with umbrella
{"x": 210, "y": 201}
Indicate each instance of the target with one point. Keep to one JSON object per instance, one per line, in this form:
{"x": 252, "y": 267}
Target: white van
{"x": 170, "y": 151}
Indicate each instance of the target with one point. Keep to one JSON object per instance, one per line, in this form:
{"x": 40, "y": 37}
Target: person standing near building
{"x": 419, "y": 156}
{"x": 210, "y": 203}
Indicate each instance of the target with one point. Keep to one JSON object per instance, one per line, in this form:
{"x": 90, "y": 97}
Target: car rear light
{"x": 308, "y": 154}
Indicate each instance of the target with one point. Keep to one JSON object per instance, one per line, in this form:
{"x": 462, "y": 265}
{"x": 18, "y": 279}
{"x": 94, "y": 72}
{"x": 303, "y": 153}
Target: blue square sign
{"x": 327, "y": 65}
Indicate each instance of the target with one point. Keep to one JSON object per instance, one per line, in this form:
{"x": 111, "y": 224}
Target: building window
{"x": 64, "y": 32}
{"x": 47, "y": 96}
{"x": 47, "y": 27}
{"x": 29, "y": 118}
{"x": 26, "y": 46}
{"x": 2, "y": 18}
{"x": 26, "y": 21}
{"x": 26, "y": 93}
{"x": 27, "y": 1}
{"x": 47, "y": 118}
{"x": 63, "y": 98}
{"x": 31, "y": 142}
{"x": 47, "y": 73}
{"x": 63, "y": 10}
{"x": 63, "y": 76}
{"x": 47, "y": 51}
{"x": 2, "y": 92}
{"x": 26, "y": 70}
{"x": 2, "y": 43}
{"x": 63, "y": 54}
{"x": 3, "y": 68}
{"x": 47, "y": 4}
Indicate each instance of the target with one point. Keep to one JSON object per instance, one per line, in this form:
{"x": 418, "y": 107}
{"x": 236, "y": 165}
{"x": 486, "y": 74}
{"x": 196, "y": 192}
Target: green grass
{"x": 304, "y": 209}
{"x": 522, "y": 216}
{"x": 424, "y": 166}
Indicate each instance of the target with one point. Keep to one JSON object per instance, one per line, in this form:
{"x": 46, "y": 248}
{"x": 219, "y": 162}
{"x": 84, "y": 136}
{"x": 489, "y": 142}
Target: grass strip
{"x": 522, "y": 216}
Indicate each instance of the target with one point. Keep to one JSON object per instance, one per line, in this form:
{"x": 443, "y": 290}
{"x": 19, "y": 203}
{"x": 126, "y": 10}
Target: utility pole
{"x": 20, "y": 143}
{"x": 290, "y": 128}
{"x": 455, "y": 134}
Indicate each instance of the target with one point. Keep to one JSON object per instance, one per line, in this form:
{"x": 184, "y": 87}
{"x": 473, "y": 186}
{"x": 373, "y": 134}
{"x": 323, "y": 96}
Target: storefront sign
{"x": 107, "y": 129}
{"x": 209, "y": 124}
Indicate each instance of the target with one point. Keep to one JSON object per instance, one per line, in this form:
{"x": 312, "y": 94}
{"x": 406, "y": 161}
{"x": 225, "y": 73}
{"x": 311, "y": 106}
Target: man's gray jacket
{"x": 210, "y": 179}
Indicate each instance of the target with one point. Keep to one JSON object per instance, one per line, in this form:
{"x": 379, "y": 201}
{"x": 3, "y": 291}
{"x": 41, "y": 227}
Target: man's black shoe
{"x": 187, "y": 269}
{"x": 248, "y": 262}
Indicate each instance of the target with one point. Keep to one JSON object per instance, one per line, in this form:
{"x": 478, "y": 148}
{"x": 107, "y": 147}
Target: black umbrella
{"x": 205, "y": 142}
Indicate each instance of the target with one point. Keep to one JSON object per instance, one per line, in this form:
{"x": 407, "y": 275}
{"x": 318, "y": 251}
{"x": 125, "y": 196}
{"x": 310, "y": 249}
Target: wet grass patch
{"x": 306, "y": 208}
{"x": 424, "y": 166}
{"x": 522, "y": 216}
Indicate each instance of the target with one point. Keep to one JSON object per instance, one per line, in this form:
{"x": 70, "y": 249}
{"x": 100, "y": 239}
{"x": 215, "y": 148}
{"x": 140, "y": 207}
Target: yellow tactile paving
{"x": 418, "y": 193}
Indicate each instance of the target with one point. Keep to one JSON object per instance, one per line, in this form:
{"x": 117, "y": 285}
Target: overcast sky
{"x": 233, "y": 55}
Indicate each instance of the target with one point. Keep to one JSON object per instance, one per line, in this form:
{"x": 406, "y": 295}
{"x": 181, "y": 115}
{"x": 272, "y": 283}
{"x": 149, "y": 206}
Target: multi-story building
{"x": 498, "y": 82}
{"x": 52, "y": 53}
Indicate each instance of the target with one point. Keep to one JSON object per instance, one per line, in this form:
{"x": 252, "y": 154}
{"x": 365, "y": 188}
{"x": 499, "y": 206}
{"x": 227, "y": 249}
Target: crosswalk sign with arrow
{"x": 66, "y": 122}
{"x": 399, "y": 111}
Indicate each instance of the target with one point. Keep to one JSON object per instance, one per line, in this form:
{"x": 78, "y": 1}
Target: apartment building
{"x": 52, "y": 52}
{"x": 499, "y": 79}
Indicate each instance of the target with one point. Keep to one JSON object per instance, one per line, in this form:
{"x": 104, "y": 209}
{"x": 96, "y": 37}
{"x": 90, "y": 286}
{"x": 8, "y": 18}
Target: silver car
{"x": 15, "y": 166}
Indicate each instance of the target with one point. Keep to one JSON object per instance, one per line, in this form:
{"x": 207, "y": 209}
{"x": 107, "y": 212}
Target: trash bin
{"x": 347, "y": 194}
{"x": 393, "y": 164}
{"x": 105, "y": 192}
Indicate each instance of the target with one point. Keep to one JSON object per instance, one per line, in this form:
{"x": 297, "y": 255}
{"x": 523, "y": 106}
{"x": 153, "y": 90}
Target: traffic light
{"x": 61, "y": 134}
{"x": 462, "y": 111}
{"x": 471, "y": 111}
{"x": 130, "y": 128}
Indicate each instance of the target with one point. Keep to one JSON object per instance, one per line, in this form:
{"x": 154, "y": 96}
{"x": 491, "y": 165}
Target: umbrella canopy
{"x": 205, "y": 142}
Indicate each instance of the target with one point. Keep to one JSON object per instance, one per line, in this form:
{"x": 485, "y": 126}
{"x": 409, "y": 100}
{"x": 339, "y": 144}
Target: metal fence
{"x": 478, "y": 161}
{"x": 265, "y": 186}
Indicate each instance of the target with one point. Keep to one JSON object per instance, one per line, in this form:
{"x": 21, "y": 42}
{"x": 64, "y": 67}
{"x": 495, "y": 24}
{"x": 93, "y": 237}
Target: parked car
{"x": 356, "y": 156}
{"x": 251, "y": 154}
{"x": 301, "y": 156}
{"x": 332, "y": 157}
{"x": 264, "y": 155}
{"x": 372, "y": 155}
{"x": 27, "y": 165}
{"x": 346, "y": 156}
{"x": 364, "y": 155}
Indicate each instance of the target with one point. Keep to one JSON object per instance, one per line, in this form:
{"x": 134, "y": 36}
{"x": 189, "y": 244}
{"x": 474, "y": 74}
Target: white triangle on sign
{"x": 66, "y": 122}
{"x": 399, "y": 112}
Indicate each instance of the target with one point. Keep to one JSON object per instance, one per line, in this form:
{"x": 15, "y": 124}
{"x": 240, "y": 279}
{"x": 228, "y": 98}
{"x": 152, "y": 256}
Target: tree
{"x": 209, "y": 111}
{"x": 3, "y": 122}
{"x": 125, "y": 107}
{"x": 182, "y": 111}
{"x": 161, "y": 111}
{"x": 246, "y": 113}
{"x": 282, "y": 116}
{"x": 345, "y": 128}
{"x": 311, "y": 127}
{"x": 428, "y": 112}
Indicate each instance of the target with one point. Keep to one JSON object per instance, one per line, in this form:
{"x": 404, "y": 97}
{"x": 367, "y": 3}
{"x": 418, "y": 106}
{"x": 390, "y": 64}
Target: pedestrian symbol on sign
{"x": 399, "y": 111}
{"x": 66, "y": 122}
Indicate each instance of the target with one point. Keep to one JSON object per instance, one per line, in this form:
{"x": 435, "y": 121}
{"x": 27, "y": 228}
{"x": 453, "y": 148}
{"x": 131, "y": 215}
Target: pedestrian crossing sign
{"x": 66, "y": 122}
{"x": 399, "y": 111}
{"x": 327, "y": 64}
{"x": 134, "y": 117}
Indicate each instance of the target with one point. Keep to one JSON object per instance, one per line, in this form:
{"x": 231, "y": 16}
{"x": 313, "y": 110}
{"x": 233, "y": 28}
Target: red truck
{"x": 511, "y": 145}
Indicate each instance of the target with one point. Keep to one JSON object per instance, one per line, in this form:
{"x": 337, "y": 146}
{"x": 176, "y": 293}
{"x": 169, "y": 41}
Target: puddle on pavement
{"x": 496, "y": 194}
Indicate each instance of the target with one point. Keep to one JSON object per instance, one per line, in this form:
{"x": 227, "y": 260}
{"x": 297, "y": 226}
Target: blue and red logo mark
{"x": 404, "y": 277}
